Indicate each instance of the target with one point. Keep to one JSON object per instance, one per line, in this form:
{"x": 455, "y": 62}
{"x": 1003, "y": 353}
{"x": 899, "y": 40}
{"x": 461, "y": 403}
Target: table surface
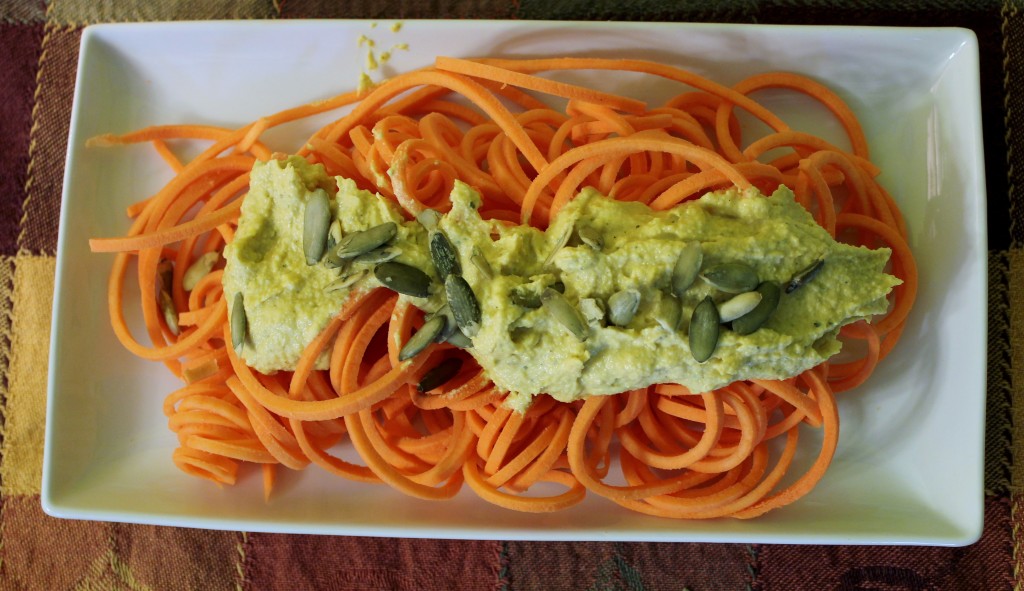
{"x": 38, "y": 57}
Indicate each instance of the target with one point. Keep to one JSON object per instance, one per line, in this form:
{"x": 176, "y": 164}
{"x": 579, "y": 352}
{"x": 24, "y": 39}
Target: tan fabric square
{"x": 25, "y": 416}
{"x": 44, "y": 553}
{"x": 23, "y": 12}
{"x": 84, "y": 12}
{"x": 1015, "y": 259}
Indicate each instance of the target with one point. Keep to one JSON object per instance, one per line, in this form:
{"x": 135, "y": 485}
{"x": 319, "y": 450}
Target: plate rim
{"x": 51, "y": 502}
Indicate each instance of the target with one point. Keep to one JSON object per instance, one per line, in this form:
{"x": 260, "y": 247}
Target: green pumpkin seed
{"x": 622, "y": 306}
{"x": 403, "y": 278}
{"x": 346, "y": 281}
{"x": 524, "y": 297}
{"x": 753, "y": 320}
{"x": 450, "y": 326}
{"x": 739, "y": 305}
{"x": 464, "y": 304}
{"x": 357, "y": 243}
{"x": 378, "y": 255}
{"x": 687, "y": 267}
{"x": 426, "y": 335}
{"x": 457, "y": 339}
{"x": 316, "y": 225}
{"x": 170, "y": 312}
{"x": 590, "y": 237}
{"x": 429, "y": 218}
{"x": 165, "y": 269}
{"x": 333, "y": 261}
{"x": 481, "y": 264}
{"x": 199, "y": 269}
{"x": 565, "y": 313}
{"x": 668, "y": 312}
{"x": 446, "y": 259}
{"x": 731, "y": 277}
{"x": 805, "y": 275}
{"x": 239, "y": 323}
{"x": 704, "y": 330}
{"x": 440, "y": 374}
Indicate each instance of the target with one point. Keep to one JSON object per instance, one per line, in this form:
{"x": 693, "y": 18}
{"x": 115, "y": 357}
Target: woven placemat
{"x": 38, "y": 57}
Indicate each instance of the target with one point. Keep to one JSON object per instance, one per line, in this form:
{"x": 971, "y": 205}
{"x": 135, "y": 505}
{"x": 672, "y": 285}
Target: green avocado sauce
{"x": 593, "y": 250}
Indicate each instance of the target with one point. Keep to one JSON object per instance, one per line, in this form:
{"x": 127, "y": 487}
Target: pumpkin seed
{"x": 562, "y": 241}
{"x": 748, "y": 323}
{"x": 446, "y": 260}
{"x": 590, "y": 237}
{"x": 704, "y": 329}
{"x": 333, "y": 236}
{"x": 668, "y": 311}
{"x": 316, "y": 225}
{"x": 170, "y": 312}
{"x": 622, "y": 306}
{"x": 524, "y": 297}
{"x": 199, "y": 269}
{"x": 403, "y": 278}
{"x": 731, "y": 277}
{"x": 381, "y": 254}
{"x": 739, "y": 305}
{"x": 450, "y": 326}
{"x": 165, "y": 269}
{"x": 440, "y": 374}
{"x": 464, "y": 304}
{"x": 333, "y": 261}
{"x": 565, "y": 313}
{"x": 687, "y": 267}
{"x": 239, "y": 323}
{"x": 481, "y": 264}
{"x": 426, "y": 335}
{"x": 346, "y": 281}
{"x": 357, "y": 243}
{"x": 594, "y": 311}
{"x": 429, "y": 218}
{"x": 460, "y": 340}
{"x": 805, "y": 275}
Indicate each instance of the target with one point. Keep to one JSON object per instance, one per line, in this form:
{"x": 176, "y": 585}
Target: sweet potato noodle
{"x": 679, "y": 454}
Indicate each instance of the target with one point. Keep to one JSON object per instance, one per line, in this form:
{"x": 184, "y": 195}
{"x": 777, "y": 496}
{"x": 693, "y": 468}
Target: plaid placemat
{"x": 38, "y": 57}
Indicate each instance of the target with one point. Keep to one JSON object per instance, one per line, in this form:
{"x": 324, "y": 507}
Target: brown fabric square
{"x": 20, "y": 46}
{"x": 86, "y": 12}
{"x": 178, "y": 557}
{"x": 1012, "y": 135}
{"x": 986, "y": 564}
{"x": 647, "y": 566}
{"x": 48, "y": 149}
{"x": 392, "y": 9}
{"x": 41, "y": 553}
{"x": 284, "y": 563}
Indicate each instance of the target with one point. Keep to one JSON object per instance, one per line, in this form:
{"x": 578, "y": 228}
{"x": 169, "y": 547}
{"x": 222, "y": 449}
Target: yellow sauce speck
{"x": 366, "y": 84}
{"x": 396, "y": 27}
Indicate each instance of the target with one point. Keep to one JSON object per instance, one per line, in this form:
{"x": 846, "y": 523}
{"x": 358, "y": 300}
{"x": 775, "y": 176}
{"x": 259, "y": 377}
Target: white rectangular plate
{"x": 909, "y": 465}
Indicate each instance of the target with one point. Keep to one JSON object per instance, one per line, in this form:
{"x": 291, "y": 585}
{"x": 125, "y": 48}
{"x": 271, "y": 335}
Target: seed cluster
{"x": 751, "y": 304}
